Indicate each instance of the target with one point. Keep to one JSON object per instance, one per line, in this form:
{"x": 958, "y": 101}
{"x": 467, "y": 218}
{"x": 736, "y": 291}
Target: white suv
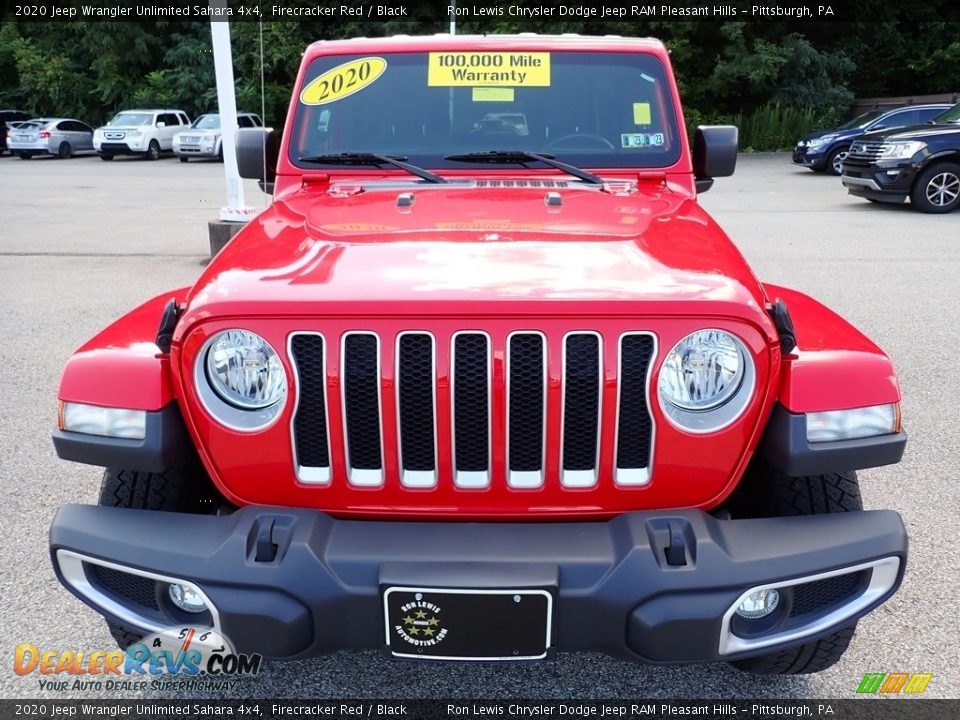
{"x": 139, "y": 132}
{"x": 204, "y": 138}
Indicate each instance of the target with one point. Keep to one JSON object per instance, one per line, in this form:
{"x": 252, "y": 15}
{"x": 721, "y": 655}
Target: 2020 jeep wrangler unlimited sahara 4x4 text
{"x": 456, "y": 396}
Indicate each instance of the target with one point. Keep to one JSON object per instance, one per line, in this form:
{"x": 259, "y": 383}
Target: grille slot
{"x": 415, "y": 390}
{"x": 311, "y": 446}
{"x": 823, "y": 595}
{"x": 634, "y": 423}
{"x": 360, "y": 366}
{"x": 136, "y": 589}
{"x": 526, "y": 421}
{"x": 471, "y": 409}
{"x": 868, "y": 152}
{"x": 582, "y": 380}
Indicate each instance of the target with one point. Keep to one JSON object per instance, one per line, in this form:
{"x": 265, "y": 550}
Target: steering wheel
{"x": 589, "y": 137}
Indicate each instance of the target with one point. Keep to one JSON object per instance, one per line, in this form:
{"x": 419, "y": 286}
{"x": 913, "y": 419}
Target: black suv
{"x": 9, "y": 116}
{"x": 922, "y": 162}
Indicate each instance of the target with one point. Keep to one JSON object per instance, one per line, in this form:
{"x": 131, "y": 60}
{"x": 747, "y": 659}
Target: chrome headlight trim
{"x": 226, "y": 412}
{"x": 729, "y": 407}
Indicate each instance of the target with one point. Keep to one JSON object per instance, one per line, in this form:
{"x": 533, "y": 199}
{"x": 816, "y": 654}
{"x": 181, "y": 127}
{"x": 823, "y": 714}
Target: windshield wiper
{"x": 358, "y": 158}
{"x": 524, "y": 156}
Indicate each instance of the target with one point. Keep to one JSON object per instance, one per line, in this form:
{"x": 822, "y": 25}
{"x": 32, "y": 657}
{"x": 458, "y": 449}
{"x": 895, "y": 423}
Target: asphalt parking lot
{"x": 82, "y": 241}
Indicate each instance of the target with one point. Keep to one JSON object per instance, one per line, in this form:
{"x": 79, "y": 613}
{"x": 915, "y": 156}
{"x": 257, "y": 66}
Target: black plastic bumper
{"x": 650, "y": 586}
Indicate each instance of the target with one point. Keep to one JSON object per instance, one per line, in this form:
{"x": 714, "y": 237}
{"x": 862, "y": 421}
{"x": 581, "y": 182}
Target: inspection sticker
{"x": 640, "y": 140}
{"x": 343, "y": 81}
{"x": 641, "y": 113}
{"x": 489, "y": 69}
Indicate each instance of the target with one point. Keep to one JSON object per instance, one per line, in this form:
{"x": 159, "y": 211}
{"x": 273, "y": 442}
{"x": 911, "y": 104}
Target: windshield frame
{"x": 196, "y": 123}
{"x": 147, "y": 116}
{"x": 861, "y": 121}
{"x": 620, "y": 158}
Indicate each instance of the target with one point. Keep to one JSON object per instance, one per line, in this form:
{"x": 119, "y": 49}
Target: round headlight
{"x": 244, "y": 370}
{"x": 702, "y": 371}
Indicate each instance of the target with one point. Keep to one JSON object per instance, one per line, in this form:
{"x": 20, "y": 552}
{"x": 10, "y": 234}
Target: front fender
{"x": 122, "y": 366}
{"x": 834, "y": 366}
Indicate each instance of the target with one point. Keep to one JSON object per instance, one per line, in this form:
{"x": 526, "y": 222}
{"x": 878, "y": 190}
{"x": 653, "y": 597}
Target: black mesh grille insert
{"x": 133, "y": 588}
{"x": 471, "y": 402}
{"x": 821, "y": 595}
{"x": 526, "y": 402}
{"x": 310, "y": 424}
{"x": 635, "y": 425}
{"x": 416, "y": 402}
{"x": 361, "y": 378}
{"x": 581, "y": 402}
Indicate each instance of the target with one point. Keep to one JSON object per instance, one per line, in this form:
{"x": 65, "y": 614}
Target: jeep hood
{"x": 412, "y": 248}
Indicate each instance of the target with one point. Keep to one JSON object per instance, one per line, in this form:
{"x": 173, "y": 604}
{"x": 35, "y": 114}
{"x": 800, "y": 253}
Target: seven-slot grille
{"x": 525, "y": 384}
{"x": 867, "y": 152}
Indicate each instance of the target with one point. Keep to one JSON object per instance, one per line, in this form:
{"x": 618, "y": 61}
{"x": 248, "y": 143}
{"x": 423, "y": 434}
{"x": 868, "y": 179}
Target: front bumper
{"x": 648, "y": 586}
{"x": 120, "y": 148}
{"x": 816, "y": 160}
{"x": 888, "y": 181}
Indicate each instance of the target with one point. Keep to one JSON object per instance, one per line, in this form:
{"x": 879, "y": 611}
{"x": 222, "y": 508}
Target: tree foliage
{"x": 725, "y": 69}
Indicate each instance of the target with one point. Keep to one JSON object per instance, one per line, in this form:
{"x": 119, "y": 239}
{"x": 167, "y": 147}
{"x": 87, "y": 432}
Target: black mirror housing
{"x": 257, "y": 153}
{"x": 714, "y": 153}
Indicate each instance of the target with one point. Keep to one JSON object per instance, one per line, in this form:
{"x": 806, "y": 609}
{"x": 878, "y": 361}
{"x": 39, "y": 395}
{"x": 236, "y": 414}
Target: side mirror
{"x": 714, "y": 154}
{"x": 161, "y": 123}
{"x": 257, "y": 153}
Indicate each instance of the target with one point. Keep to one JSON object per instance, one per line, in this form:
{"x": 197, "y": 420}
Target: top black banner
{"x": 421, "y": 14}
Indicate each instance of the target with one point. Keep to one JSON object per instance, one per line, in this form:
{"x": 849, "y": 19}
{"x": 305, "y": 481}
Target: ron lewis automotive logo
{"x": 420, "y": 624}
{"x": 180, "y": 657}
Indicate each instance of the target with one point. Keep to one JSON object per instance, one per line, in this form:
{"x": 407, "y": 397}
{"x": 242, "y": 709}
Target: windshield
{"x": 206, "y": 122}
{"x": 862, "y": 120}
{"x": 948, "y": 116}
{"x": 127, "y": 119}
{"x": 589, "y": 109}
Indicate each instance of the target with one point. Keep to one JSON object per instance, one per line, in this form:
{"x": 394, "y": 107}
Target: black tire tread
{"x": 918, "y": 195}
{"x": 809, "y": 658}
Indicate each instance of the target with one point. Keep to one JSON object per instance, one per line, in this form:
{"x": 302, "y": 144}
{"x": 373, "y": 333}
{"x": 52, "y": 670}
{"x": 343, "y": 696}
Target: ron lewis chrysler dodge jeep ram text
{"x": 484, "y": 382}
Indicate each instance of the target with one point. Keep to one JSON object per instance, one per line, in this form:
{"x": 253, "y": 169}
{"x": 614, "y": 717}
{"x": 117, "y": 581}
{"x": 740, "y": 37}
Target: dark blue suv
{"x": 824, "y": 150}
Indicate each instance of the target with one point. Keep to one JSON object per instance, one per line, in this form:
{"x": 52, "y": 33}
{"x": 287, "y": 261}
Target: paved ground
{"x": 82, "y": 241}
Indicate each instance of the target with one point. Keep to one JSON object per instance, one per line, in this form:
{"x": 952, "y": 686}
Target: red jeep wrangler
{"x": 485, "y": 382}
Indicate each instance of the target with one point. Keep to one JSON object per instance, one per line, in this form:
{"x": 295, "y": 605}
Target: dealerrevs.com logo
{"x": 184, "y": 658}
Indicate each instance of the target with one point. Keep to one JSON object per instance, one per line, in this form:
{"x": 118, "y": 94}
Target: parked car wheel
{"x": 937, "y": 189}
{"x": 835, "y": 161}
{"x": 184, "y": 490}
{"x": 767, "y": 492}
{"x": 184, "y": 159}
{"x": 24, "y": 155}
{"x": 106, "y": 156}
{"x": 64, "y": 151}
{"x": 153, "y": 150}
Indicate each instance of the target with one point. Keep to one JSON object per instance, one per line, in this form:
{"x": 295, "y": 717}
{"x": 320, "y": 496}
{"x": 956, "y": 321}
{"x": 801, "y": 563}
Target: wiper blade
{"x": 523, "y": 156}
{"x": 358, "y": 158}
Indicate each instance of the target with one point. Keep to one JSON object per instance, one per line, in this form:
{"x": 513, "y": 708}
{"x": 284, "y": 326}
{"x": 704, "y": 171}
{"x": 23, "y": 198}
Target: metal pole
{"x": 236, "y": 210}
{"x": 453, "y": 18}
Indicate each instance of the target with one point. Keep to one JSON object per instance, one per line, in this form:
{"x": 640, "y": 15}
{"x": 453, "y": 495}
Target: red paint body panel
{"x": 121, "y": 366}
{"x": 834, "y": 366}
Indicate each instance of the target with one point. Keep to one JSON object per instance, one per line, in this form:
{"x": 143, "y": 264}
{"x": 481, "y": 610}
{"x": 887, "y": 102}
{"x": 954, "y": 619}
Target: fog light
{"x": 187, "y": 599}
{"x": 758, "y": 604}
{"x": 95, "y": 420}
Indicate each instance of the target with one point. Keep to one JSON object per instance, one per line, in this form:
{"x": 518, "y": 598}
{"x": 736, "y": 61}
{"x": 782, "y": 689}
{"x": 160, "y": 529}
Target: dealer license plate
{"x": 431, "y": 623}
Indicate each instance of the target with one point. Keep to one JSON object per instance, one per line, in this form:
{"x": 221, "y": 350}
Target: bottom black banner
{"x": 873, "y": 709}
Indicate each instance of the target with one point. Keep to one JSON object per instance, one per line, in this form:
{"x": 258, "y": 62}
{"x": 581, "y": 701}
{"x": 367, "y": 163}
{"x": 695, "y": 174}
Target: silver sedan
{"x": 49, "y": 136}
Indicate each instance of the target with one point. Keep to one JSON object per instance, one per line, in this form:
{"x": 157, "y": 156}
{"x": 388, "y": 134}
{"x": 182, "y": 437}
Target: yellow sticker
{"x": 483, "y": 94}
{"x": 641, "y": 113}
{"x": 343, "y": 81}
{"x": 489, "y": 69}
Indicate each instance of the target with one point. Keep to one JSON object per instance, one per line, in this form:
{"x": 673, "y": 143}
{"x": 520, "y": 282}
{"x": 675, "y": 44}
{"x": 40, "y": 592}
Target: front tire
{"x": 186, "y": 490}
{"x": 767, "y": 492}
{"x": 937, "y": 189}
{"x": 153, "y": 150}
{"x": 835, "y": 161}
{"x": 106, "y": 156}
{"x": 184, "y": 159}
